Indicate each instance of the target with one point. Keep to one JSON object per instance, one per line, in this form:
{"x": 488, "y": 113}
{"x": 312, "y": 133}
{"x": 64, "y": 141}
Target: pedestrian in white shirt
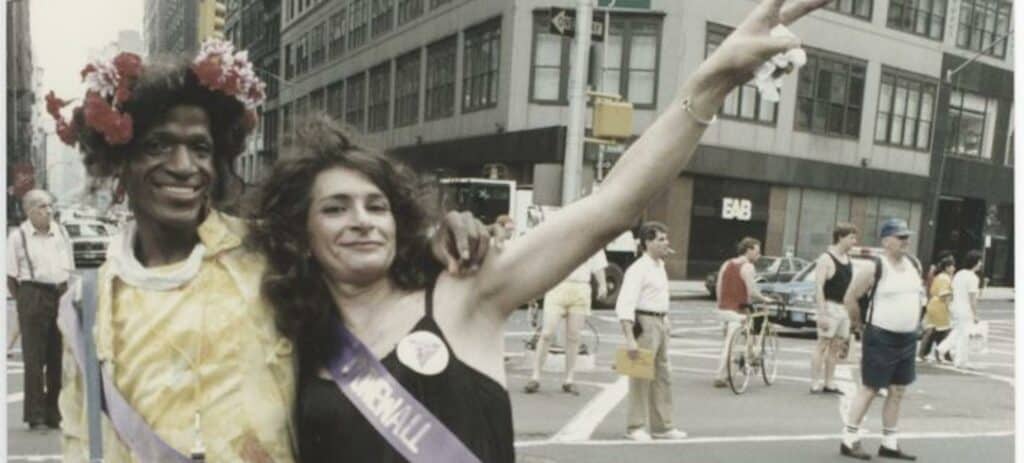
{"x": 643, "y": 305}
{"x": 39, "y": 262}
{"x": 964, "y": 310}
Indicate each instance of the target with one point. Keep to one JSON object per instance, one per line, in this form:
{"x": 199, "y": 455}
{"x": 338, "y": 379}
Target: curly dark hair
{"x": 167, "y": 82}
{"x": 293, "y": 281}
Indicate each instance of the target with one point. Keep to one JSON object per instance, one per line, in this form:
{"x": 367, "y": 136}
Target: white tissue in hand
{"x": 767, "y": 83}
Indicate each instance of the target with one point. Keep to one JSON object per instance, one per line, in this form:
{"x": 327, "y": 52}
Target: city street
{"x": 948, "y": 415}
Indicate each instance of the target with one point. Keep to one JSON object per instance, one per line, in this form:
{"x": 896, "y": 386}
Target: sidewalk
{"x": 694, "y": 289}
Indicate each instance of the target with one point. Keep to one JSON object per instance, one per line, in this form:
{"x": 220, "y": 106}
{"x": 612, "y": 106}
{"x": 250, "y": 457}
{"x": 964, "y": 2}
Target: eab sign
{"x": 563, "y": 22}
{"x": 737, "y": 209}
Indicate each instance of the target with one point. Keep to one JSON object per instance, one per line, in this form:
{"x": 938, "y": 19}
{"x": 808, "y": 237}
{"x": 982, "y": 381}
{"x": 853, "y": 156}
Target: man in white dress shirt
{"x": 643, "y": 303}
{"x": 39, "y": 261}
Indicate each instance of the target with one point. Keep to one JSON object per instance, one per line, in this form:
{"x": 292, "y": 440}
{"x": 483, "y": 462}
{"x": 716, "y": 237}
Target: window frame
{"x": 923, "y": 84}
{"x": 964, "y": 22}
{"x": 476, "y": 38}
{"x": 337, "y": 34}
{"x": 318, "y": 45}
{"x": 445, "y": 49}
{"x": 335, "y": 100}
{"x": 382, "y": 21}
{"x": 355, "y": 91}
{"x": 740, "y": 91}
{"x": 630, "y": 21}
{"x": 911, "y": 13}
{"x": 954, "y": 128}
{"x": 815, "y": 55}
{"x": 408, "y": 11}
{"x": 853, "y": 10}
{"x": 407, "y": 89}
{"x": 378, "y": 102}
{"x": 359, "y": 24}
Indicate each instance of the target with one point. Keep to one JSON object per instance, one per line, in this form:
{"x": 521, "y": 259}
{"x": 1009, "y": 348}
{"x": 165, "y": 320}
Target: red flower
{"x": 53, "y": 105}
{"x": 88, "y": 69}
{"x": 122, "y": 94}
{"x": 128, "y": 65}
{"x": 67, "y": 133}
{"x": 120, "y": 131}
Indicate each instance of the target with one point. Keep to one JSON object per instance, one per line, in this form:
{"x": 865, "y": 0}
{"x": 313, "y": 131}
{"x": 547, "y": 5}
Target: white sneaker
{"x": 638, "y": 435}
{"x": 671, "y": 434}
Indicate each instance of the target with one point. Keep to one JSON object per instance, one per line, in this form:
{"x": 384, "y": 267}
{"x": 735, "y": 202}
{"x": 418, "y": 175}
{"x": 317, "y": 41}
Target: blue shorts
{"x": 887, "y": 358}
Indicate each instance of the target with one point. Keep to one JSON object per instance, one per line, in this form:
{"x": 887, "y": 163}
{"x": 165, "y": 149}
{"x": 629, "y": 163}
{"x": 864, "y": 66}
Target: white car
{"x": 90, "y": 239}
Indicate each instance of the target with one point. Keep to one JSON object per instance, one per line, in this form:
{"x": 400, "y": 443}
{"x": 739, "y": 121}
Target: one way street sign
{"x": 563, "y": 22}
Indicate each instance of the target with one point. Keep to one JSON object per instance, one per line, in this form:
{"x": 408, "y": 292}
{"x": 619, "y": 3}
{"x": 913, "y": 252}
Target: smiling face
{"x": 352, "y": 232}
{"x": 171, "y": 170}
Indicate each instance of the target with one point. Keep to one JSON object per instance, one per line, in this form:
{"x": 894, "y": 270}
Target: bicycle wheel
{"x": 769, "y": 356}
{"x": 738, "y": 365}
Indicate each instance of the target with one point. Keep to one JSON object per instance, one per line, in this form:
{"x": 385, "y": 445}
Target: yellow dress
{"x": 937, "y": 312}
{"x": 209, "y": 346}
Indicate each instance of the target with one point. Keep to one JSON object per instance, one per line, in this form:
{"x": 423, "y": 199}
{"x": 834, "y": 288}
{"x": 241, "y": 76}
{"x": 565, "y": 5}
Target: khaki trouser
{"x": 652, "y": 398}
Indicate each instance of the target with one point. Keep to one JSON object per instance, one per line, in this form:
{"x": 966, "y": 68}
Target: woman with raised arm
{"x": 398, "y": 363}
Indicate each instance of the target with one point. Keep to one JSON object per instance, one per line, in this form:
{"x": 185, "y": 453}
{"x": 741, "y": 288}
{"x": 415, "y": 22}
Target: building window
{"x": 438, "y": 3}
{"x": 745, "y": 102}
{"x": 383, "y": 17}
{"x": 286, "y": 121}
{"x": 633, "y": 49}
{"x": 289, "y": 67}
{"x": 301, "y": 109}
{"x": 355, "y": 101}
{"x": 291, "y": 10}
{"x": 830, "y": 94}
{"x": 905, "y": 107}
{"x": 407, "y": 88}
{"x": 336, "y": 100}
{"x": 856, "y": 8}
{"x": 984, "y": 26}
{"x": 273, "y": 83}
{"x": 302, "y": 55}
{"x": 1009, "y": 140}
{"x": 409, "y": 10}
{"x": 380, "y": 97}
{"x": 317, "y": 101}
{"x": 270, "y": 130}
{"x": 550, "y": 62}
{"x": 318, "y": 47}
{"x": 440, "y": 85}
{"x": 922, "y": 17}
{"x": 337, "y": 45}
{"x": 971, "y": 124}
{"x": 481, "y": 60}
{"x": 357, "y": 32}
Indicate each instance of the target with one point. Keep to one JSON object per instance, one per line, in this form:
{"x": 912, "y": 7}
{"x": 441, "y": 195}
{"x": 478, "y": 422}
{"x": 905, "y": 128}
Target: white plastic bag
{"x": 978, "y": 340}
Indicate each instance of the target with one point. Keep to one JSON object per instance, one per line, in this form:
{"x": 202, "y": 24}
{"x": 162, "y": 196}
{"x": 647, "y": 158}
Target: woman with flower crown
{"x": 192, "y": 364}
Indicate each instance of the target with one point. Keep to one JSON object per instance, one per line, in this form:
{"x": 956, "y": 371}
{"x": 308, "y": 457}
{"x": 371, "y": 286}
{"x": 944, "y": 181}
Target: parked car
{"x": 768, "y": 269}
{"x": 89, "y": 238}
{"x": 798, "y": 294}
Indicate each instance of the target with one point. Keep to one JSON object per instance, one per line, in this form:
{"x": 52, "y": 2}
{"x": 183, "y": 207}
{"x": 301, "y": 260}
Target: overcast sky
{"x": 65, "y": 31}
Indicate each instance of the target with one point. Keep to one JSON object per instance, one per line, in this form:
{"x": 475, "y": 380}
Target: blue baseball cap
{"x": 894, "y": 227}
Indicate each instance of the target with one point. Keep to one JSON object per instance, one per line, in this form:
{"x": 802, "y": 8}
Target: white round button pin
{"x": 424, "y": 352}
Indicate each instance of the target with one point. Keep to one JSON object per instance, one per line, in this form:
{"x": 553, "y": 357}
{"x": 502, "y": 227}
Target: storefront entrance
{"x": 724, "y": 212}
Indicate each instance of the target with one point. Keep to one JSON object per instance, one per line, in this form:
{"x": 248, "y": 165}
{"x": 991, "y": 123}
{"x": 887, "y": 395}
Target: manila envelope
{"x": 641, "y": 368}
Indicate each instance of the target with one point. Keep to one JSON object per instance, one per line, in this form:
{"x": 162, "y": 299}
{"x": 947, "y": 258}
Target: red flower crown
{"x": 109, "y": 85}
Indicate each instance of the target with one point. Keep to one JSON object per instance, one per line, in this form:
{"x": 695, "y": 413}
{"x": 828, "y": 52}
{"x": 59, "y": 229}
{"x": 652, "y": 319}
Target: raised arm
{"x": 547, "y": 254}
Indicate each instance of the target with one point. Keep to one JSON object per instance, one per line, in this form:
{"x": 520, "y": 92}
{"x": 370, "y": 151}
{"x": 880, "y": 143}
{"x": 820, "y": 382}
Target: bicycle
{"x": 754, "y": 347}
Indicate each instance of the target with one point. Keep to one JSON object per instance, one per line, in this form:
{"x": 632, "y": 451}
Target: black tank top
{"x": 835, "y": 287}
{"x": 472, "y": 405}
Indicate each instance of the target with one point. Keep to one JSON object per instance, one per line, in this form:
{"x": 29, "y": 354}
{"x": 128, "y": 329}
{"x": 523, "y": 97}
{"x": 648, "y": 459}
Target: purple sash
{"x": 131, "y": 428}
{"x": 401, "y": 419}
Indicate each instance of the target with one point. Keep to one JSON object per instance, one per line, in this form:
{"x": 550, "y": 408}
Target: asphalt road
{"x": 948, "y": 415}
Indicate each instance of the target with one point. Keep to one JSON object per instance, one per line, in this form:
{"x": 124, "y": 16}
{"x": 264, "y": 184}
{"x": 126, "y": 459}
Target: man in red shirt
{"x": 736, "y": 290}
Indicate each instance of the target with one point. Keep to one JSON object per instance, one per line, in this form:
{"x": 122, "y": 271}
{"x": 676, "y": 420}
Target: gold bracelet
{"x": 689, "y": 110}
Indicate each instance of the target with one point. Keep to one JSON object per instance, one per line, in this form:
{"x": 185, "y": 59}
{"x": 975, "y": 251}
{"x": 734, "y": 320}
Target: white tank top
{"x": 897, "y": 305}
